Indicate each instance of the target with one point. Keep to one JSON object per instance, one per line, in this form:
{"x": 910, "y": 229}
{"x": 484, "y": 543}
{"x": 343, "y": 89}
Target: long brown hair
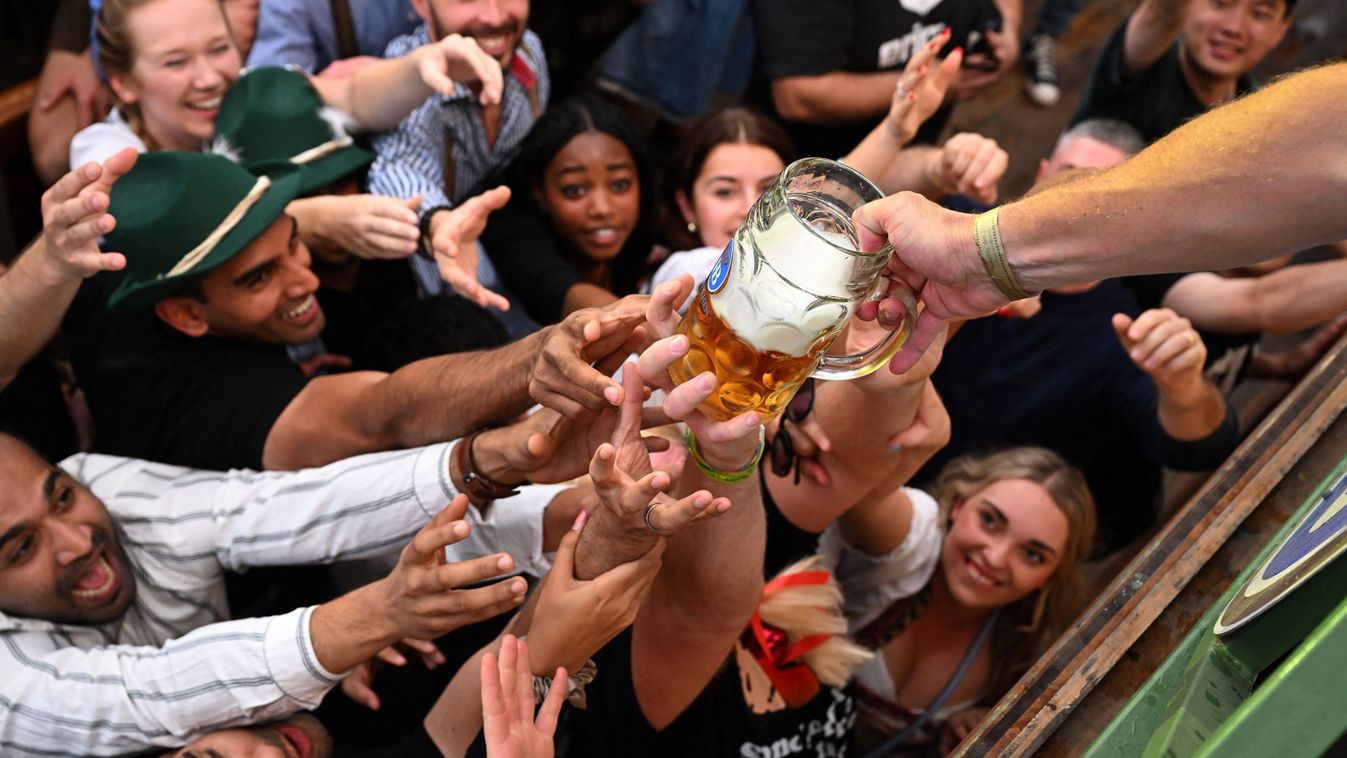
{"x": 1025, "y": 628}
{"x": 116, "y": 54}
{"x": 729, "y": 126}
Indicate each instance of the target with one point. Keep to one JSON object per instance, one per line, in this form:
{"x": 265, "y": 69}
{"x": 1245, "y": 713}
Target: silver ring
{"x": 648, "y": 524}
{"x": 902, "y": 91}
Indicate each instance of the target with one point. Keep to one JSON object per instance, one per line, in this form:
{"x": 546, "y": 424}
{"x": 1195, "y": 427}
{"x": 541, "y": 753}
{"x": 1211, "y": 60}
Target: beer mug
{"x": 783, "y": 289}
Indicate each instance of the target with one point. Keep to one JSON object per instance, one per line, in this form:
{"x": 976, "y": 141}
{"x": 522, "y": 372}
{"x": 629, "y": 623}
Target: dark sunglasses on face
{"x": 783, "y": 455}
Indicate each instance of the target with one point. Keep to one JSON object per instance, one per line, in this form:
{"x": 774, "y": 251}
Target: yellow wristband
{"x": 987, "y": 237}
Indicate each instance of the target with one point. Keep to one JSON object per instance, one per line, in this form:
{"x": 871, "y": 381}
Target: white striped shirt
{"x": 174, "y": 667}
{"x": 410, "y": 159}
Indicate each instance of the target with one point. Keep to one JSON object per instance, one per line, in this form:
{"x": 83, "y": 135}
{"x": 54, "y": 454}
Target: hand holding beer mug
{"x": 783, "y": 290}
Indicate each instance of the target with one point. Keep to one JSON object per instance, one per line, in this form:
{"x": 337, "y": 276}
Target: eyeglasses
{"x": 782, "y": 451}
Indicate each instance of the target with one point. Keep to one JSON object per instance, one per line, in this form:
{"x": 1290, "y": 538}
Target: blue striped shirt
{"x": 410, "y": 159}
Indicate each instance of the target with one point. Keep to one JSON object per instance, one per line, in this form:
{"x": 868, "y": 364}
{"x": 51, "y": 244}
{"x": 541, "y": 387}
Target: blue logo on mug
{"x": 721, "y": 271}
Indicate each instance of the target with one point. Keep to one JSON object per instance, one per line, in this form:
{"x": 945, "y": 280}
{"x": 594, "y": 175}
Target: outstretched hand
{"x": 74, "y": 216}
{"x": 508, "y": 724}
{"x": 453, "y": 243}
{"x": 922, "y": 87}
{"x": 421, "y": 597}
{"x": 456, "y": 58}
{"x": 575, "y": 365}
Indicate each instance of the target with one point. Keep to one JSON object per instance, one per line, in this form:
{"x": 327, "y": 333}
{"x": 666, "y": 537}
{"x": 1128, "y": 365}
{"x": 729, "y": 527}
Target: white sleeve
{"x": 359, "y": 507}
{"x": 696, "y": 262}
{"x": 98, "y": 142}
{"x": 871, "y": 583}
{"x": 117, "y": 699}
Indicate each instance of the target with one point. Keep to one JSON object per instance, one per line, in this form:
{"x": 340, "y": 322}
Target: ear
{"x": 956, "y": 509}
{"x": 422, "y": 8}
{"x": 121, "y": 87}
{"x": 684, "y": 206}
{"x": 184, "y": 314}
{"x": 1042, "y": 170}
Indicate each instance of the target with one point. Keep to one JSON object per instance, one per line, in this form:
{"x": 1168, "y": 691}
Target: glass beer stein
{"x": 783, "y": 289}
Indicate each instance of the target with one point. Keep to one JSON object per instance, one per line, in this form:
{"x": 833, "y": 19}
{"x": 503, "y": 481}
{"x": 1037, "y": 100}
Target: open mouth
{"x": 304, "y": 312}
{"x": 97, "y": 584}
{"x": 1223, "y": 52}
{"x": 495, "y": 43}
{"x": 979, "y": 575}
{"x": 297, "y": 739}
{"x": 210, "y": 105}
{"x": 606, "y": 235}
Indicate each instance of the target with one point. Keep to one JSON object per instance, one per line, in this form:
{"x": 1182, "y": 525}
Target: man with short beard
{"x": 193, "y": 368}
{"x": 448, "y": 147}
{"x": 114, "y": 632}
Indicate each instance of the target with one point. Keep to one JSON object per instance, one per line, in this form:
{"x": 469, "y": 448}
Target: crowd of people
{"x": 344, "y": 352}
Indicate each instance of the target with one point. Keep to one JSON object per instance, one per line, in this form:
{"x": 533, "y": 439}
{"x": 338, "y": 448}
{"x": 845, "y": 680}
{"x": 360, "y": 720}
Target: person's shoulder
{"x": 405, "y": 43}
{"x": 98, "y": 142}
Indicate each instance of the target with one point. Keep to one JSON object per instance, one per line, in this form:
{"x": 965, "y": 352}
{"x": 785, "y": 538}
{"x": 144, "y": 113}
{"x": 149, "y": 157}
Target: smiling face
{"x": 1005, "y": 541}
{"x": 299, "y": 736}
{"x": 496, "y": 25}
{"x": 265, "y": 293}
{"x": 1225, "y": 39}
{"x": 59, "y": 556}
{"x": 592, "y": 193}
{"x": 732, "y": 178}
{"x": 183, "y": 63}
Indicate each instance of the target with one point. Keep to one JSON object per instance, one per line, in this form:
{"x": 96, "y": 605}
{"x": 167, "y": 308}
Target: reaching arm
{"x": 36, "y": 292}
{"x": 440, "y": 398}
{"x": 1164, "y": 345}
{"x": 1277, "y": 188}
{"x": 1151, "y": 31}
{"x": 380, "y": 95}
{"x": 1284, "y": 301}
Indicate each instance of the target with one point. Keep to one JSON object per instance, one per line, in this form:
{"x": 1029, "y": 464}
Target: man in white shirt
{"x": 114, "y": 632}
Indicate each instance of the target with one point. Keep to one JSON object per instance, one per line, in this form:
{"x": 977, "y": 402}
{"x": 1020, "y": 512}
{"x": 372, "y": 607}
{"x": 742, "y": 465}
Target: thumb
{"x": 1121, "y": 323}
{"x": 413, "y": 202}
{"x": 496, "y": 198}
{"x": 564, "y": 565}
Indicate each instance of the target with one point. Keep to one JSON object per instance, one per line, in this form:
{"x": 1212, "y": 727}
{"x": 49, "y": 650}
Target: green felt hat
{"x": 181, "y": 215}
{"x": 275, "y": 114}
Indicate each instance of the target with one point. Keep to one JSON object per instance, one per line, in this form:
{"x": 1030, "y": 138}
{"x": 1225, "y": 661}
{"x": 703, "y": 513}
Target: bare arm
{"x": 1151, "y": 30}
{"x": 431, "y": 400}
{"x": 37, "y": 290}
{"x": 1277, "y": 188}
{"x": 381, "y": 94}
{"x": 835, "y": 97}
{"x": 1284, "y": 301}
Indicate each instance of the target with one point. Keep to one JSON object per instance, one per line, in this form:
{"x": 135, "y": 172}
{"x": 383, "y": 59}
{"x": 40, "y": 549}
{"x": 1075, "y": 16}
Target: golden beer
{"x": 750, "y": 379}
{"x": 782, "y": 290}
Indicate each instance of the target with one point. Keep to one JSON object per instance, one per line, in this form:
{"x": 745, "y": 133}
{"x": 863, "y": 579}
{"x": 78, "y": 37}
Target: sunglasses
{"x": 783, "y": 456}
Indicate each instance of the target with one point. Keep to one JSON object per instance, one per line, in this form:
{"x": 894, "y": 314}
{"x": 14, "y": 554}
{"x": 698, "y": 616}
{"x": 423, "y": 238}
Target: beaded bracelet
{"x": 726, "y": 477}
{"x": 987, "y": 237}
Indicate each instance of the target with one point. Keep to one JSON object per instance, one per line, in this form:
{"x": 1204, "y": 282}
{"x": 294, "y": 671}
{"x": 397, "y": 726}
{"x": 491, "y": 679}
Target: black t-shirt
{"x": 1155, "y": 101}
{"x": 815, "y": 37}
{"x": 205, "y": 402}
{"x": 717, "y": 723}
{"x": 786, "y": 542}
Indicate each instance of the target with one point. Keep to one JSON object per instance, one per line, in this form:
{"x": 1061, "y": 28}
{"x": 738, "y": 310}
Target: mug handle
{"x": 868, "y": 361}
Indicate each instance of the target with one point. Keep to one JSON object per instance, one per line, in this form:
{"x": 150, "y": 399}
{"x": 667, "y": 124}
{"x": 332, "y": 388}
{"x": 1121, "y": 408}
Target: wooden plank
{"x": 15, "y": 103}
{"x": 1036, "y": 705}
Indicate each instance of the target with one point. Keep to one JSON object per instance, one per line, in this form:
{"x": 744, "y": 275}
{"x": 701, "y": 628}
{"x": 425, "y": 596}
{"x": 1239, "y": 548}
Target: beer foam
{"x": 770, "y": 309}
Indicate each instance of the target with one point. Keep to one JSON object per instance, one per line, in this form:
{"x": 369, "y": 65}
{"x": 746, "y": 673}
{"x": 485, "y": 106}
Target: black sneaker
{"x": 1040, "y": 59}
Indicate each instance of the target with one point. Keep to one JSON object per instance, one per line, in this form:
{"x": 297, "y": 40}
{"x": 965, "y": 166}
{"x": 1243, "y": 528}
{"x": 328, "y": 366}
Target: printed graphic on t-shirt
{"x": 822, "y": 737}
{"x": 919, "y": 7}
{"x": 897, "y": 51}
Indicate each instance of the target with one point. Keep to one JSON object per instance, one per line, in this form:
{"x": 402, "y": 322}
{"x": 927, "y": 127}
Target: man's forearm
{"x": 897, "y": 169}
{"x": 438, "y": 399}
{"x": 33, "y": 300}
{"x": 1263, "y": 176}
{"x": 1301, "y": 296}
{"x": 835, "y": 97}
{"x": 380, "y": 95}
{"x": 351, "y": 629}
